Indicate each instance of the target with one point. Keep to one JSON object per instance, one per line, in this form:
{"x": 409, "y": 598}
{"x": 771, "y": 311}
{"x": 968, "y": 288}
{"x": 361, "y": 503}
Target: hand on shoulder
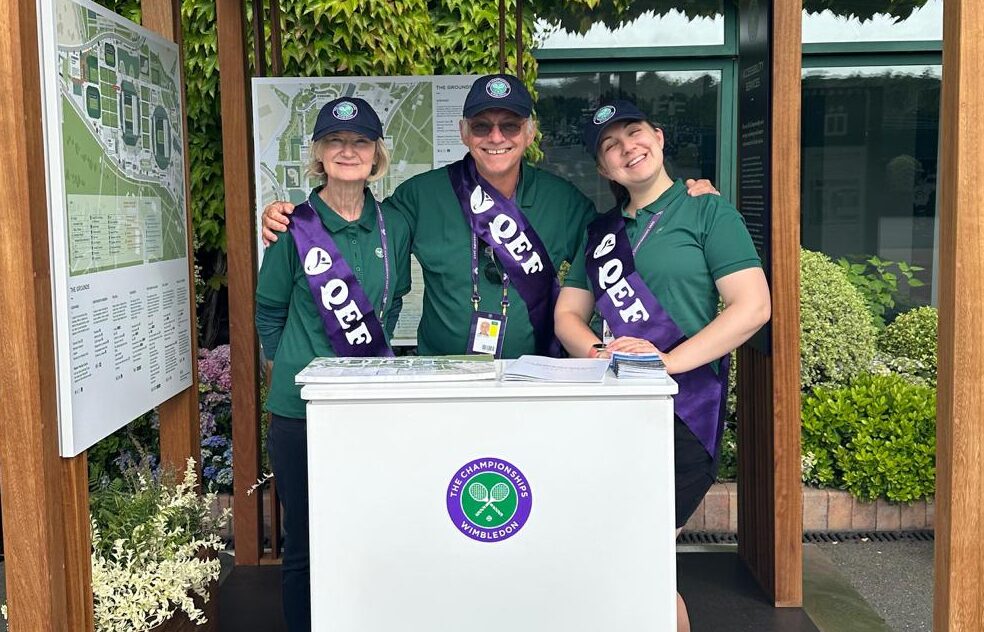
{"x": 275, "y": 220}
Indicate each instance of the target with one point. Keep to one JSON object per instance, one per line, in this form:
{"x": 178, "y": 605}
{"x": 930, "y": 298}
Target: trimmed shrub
{"x": 875, "y": 438}
{"x": 837, "y": 337}
{"x": 912, "y": 337}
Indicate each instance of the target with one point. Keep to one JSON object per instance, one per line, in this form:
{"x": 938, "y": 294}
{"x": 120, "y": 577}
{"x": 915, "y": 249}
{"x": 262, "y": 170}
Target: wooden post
{"x": 770, "y": 501}
{"x": 237, "y": 169}
{"x": 45, "y": 499}
{"x": 181, "y": 436}
{"x": 959, "y": 438}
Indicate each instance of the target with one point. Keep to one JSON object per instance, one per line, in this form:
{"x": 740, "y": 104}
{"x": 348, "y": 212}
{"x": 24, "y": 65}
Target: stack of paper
{"x": 531, "y": 368}
{"x": 638, "y": 365}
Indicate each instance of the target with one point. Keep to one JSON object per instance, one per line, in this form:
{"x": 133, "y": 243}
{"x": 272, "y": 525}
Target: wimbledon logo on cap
{"x": 604, "y": 113}
{"x": 489, "y": 500}
{"x": 498, "y": 88}
{"x": 345, "y": 111}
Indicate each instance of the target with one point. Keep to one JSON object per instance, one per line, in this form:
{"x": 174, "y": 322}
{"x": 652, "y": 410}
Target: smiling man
{"x": 490, "y": 232}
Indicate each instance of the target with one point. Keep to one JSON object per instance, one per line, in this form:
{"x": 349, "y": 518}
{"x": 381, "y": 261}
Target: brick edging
{"x": 823, "y": 510}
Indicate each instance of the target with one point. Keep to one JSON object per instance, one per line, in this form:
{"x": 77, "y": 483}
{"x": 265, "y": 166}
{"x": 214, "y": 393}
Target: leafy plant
{"x": 912, "y": 336}
{"x": 151, "y": 539}
{"x": 837, "y": 337}
{"x": 878, "y": 284}
{"x": 876, "y": 437}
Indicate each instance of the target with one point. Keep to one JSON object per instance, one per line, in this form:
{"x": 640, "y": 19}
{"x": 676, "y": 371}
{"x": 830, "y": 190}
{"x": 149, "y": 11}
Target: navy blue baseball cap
{"x": 498, "y": 91}
{"x": 605, "y": 115}
{"x": 348, "y": 114}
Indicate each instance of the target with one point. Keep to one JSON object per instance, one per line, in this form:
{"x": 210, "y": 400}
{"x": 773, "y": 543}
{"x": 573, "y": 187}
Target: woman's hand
{"x": 628, "y": 344}
{"x": 275, "y": 220}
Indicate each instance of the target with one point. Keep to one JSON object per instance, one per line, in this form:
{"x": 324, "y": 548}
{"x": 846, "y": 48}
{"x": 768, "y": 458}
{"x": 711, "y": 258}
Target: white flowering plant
{"x": 154, "y": 542}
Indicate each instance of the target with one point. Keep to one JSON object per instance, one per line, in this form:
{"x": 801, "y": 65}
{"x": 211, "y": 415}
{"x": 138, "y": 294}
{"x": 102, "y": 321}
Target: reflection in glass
{"x": 869, "y": 162}
{"x": 923, "y": 24}
{"x": 674, "y": 28}
{"x": 684, "y": 103}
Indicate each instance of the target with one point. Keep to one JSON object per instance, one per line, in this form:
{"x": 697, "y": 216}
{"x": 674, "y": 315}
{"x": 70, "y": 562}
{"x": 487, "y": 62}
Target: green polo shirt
{"x": 556, "y": 211}
{"x": 283, "y": 284}
{"x": 697, "y": 241}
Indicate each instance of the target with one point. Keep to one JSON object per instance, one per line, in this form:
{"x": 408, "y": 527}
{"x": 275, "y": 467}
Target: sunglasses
{"x": 484, "y": 128}
{"x": 491, "y": 268}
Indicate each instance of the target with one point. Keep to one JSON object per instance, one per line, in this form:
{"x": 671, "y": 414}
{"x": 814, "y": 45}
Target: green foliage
{"x": 878, "y": 284}
{"x": 728, "y": 458}
{"x": 837, "y": 337}
{"x": 912, "y": 336}
{"x": 125, "y": 508}
{"x": 898, "y": 9}
{"x": 876, "y": 437}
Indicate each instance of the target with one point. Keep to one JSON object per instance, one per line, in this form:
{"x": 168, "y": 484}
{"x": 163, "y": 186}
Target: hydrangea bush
{"x": 137, "y": 444}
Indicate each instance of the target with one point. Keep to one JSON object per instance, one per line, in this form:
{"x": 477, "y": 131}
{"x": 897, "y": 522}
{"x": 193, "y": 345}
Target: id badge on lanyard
{"x": 488, "y": 329}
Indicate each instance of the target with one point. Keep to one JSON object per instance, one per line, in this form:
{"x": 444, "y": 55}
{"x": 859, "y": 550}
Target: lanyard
{"x": 476, "y": 297}
{"x": 649, "y": 228}
{"x": 386, "y": 260}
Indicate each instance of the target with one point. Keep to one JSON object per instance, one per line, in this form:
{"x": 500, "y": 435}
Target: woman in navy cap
{"x": 331, "y": 286}
{"x": 653, "y": 268}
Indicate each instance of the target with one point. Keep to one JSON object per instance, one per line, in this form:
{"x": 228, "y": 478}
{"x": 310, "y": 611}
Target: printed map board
{"x": 420, "y": 117}
{"x": 117, "y": 214}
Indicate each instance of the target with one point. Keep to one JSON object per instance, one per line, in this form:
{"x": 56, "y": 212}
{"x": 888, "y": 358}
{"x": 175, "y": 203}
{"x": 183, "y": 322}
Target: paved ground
{"x": 895, "y": 578}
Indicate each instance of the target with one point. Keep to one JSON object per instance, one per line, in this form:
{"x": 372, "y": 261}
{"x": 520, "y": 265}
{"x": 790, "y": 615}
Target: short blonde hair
{"x": 380, "y": 165}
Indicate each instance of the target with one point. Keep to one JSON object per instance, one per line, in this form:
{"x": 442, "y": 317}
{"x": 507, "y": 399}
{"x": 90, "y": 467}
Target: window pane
{"x": 674, "y": 28}
{"x": 924, "y": 23}
{"x": 870, "y": 148}
{"x": 684, "y": 103}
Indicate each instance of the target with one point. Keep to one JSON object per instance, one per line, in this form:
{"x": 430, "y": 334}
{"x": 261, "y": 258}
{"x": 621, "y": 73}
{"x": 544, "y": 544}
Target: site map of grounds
{"x": 114, "y": 137}
{"x": 124, "y": 168}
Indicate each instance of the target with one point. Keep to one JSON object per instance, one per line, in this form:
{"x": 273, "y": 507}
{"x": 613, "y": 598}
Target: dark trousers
{"x": 287, "y": 445}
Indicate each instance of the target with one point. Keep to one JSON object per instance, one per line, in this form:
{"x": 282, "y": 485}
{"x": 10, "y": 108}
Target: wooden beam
{"x": 45, "y": 508}
{"x": 959, "y": 438}
{"x": 770, "y": 523}
{"x": 237, "y": 169}
{"x": 276, "y": 41}
{"x": 180, "y": 433}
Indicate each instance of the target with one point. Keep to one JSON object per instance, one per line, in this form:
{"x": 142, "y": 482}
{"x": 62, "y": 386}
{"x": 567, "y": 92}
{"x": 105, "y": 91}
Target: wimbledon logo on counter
{"x": 489, "y": 500}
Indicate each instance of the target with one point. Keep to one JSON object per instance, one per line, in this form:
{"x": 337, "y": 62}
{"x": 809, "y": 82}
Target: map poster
{"x": 115, "y": 158}
{"x": 420, "y": 117}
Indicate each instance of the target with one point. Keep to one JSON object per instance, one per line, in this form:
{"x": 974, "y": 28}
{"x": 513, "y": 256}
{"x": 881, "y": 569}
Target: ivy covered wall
{"x": 378, "y": 37}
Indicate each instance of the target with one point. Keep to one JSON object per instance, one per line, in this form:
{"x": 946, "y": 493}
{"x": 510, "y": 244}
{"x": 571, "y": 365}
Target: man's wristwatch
{"x": 596, "y": 349}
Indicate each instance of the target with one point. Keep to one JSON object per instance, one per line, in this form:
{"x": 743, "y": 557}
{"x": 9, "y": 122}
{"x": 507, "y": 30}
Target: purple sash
{"x": 347, "y": 314}
{"x": 631, "y": 309}
{"x": 515, "y": 244}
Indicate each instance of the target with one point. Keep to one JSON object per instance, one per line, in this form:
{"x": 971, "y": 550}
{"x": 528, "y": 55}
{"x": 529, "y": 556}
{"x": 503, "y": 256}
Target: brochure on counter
{"x": 532, "y": 368}
{"x": 403, "y": 369}
{"x": 638, "y": 365}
